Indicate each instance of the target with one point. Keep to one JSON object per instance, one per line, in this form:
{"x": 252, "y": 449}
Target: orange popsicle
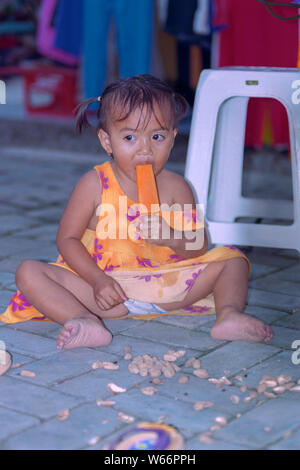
{"x": 146, "y": 186}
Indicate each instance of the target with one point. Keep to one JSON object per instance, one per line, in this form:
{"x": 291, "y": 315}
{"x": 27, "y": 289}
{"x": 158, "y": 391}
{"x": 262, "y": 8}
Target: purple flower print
{"x": 19, "y": 302}
{"x": 176, "y": 258}
{"x": 145, "y": 262}
{"x": 196, "y": 309}
{"x": 104, "y": 181}
{"x": 132, "y": 214}
{"x": 192, "y": 215}
{"x": 97, "y": 250}
{"x": 148, "y": 277}
{"x": 191, "y": 282}
{"x": 110, "y": 267}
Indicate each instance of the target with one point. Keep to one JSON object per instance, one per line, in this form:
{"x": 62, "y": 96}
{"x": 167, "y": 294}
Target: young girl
{"x": 117, "y": 277}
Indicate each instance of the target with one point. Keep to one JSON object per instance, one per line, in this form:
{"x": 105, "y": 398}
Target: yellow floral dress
{"x": 146, "y": 272}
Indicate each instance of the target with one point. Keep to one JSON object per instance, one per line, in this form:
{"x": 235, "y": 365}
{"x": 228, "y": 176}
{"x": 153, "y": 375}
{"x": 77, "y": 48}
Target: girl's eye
{"x": 130, "y": 138}
{"x": 158, "y": 137}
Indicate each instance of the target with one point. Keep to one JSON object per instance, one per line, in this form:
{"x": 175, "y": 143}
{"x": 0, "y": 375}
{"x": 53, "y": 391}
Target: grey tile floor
{"x": 33, "y": 191}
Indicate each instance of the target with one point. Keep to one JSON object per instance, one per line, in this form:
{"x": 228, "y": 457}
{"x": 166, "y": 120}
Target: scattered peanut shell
{"x": 295, "y": 389}
{"x": 63, "y": 415}
{"x": 148, "y": 390}
{"x": 155, "y": 372}
{"x": 235, "y": 399}
{"x": 221, "y": 420}
{"x": 168, "y": 372}
{"x": 110, "y": 366}
{"x": 239, "y": 377}
{"x": 200, "y": 405}
{"x": 289, "y": 385}
{"x": 133, "y": 368}
{"x": 247, "y": 399}
{"x": 253, "y": 394}
{"x": 158, "y": 381}
{"x": 269, "y": 394}
{"x": 127, "y": 356}
{"x": 27, "y": 373}
{"x": 298, "y": 381}
{"x": 214, "y": 381}
{"x": 206, "y": 438}
{"x": 279, "y": 389}
{"x": 183, "y": 379}
{"x": 201, "y": 373}
{"x": 196, "y": 364}
{"x": 97, "y": 365}
{"x": 225, "y": 381}
{"x": 261, "y": 388}
{"x": 94, "y": 440}
{"x": 283, "y": 379}
{"x": 189, "y": 362}
{"x": 126, "y": 418}
{"x": 113, "y": 388}
{"x": 267, "y": 429}
{"x": 243, "y": 388}
{"x": 181, "y": 352}
{"x": 101, "y": 402}
{"x": 271, "y": 383}
{"x": 16, "y": 365}
{"x": 170, "y": 357}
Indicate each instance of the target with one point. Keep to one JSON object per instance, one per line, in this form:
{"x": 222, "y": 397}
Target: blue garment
{"x": 134, "y": 31}
{"x": 68, "y": 25}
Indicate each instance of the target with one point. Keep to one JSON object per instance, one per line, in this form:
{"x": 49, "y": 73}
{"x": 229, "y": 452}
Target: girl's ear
{"x": 105, "y": 141}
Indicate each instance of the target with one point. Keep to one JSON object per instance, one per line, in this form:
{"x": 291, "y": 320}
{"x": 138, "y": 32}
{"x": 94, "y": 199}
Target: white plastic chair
{"x": 216, "y": 148}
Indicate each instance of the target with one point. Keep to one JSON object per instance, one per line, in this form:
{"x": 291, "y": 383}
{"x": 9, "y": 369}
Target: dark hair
{"x": 128, "y": 94}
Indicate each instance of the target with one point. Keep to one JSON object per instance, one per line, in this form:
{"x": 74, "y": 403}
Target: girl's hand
{"x": 156, "y": 231}
{"x": 108, "y": 293}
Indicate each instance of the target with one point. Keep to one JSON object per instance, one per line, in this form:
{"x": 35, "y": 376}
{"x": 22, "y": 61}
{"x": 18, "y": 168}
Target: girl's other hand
{"x": 108, "y": 293}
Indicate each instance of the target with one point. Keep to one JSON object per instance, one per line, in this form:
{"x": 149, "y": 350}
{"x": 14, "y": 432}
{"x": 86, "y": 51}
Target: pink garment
{"x": 254, "y": 37}
{"x": 46, "y": 34}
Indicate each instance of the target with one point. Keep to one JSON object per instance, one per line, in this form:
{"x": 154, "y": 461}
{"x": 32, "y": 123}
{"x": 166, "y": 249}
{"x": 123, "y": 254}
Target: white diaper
{"x": 136, "y": 307}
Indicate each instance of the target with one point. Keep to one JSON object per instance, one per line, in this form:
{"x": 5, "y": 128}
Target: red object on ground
{"x": 57, "y": 84}
{"x": 48, "y": 90}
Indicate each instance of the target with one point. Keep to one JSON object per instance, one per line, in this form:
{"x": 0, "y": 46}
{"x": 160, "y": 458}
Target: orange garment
{"x": 145, "y": 272}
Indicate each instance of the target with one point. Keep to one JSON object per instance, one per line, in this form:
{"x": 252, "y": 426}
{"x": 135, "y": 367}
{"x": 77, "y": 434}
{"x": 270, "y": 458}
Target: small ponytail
{"x": 81, "y": 113}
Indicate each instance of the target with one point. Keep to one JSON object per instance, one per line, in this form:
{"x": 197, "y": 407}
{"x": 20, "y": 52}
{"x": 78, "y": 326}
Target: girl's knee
{"x": 26, "y": 271}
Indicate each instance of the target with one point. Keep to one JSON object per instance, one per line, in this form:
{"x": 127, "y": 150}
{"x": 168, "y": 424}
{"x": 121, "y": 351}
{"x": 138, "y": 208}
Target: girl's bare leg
{"x": 228, "y": 281}
{"x": 67, "y": 299}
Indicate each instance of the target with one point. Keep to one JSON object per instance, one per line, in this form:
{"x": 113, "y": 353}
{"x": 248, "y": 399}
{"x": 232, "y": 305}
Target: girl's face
{"x": 138, "y": 140}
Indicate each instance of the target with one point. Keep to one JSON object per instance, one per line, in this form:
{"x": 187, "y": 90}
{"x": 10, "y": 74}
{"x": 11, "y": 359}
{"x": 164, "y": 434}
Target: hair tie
{"x": 99, "y": 98}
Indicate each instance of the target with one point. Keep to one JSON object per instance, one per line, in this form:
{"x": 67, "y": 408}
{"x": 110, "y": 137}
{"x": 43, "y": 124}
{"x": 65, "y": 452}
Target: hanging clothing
{"x": 134, "y": 22}
{"x": 46, "y": 35}
{"x": 68, "y": 25}
{"x": 254, "y": 37}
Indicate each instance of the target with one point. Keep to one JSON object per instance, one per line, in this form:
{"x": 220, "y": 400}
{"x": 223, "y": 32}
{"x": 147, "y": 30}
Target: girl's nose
{"x": 145, "y": 147}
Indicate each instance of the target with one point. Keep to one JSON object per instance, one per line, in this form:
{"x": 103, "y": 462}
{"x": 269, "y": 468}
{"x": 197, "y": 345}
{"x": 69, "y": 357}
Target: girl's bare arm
{"x": 78, "y": 212}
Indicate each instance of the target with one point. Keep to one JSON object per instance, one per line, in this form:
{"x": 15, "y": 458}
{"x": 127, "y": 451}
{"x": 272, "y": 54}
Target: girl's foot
{"x": 5, "y": 361}
{"x": 83, "y": 333}
{"x": 234, "y": 325}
